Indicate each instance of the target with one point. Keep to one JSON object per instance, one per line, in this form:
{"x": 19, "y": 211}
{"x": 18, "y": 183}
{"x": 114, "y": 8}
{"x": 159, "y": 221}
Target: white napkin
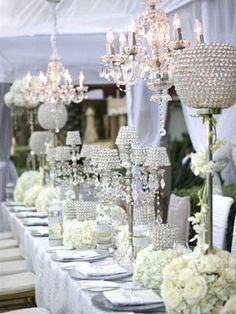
{"x": 132, "y": 297}
{"x": 31, "y": 221}
{"x": 97, "y": 284}
{"x": 38, "y": 230}
{"x": 92, "y": 270}
{"x": 76, "y": 254}
{"x": 57, "y": 249}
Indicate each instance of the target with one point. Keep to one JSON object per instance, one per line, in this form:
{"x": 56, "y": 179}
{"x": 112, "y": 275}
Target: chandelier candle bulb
{"x": 198, "y": 32}
{"x": 110, "y": 43}
{"x": 123, "y": 43}
{"x": 177, "y": 27}
{"x": 132, "y": 33}
{"x": 81, "y": 79}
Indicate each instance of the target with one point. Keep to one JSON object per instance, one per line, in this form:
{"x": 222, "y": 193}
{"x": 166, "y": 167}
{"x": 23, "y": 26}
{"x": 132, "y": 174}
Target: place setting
{"x": 29, "y": 222}
{"x": 30, "y": 214}
{"x": 20, "y": 209}
{"x": 40, "y": 231}
{"x": 125, "y": 300}
{"x": 66, "y": 256}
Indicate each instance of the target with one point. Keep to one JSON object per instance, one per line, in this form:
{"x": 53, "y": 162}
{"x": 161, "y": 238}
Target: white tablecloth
{"x": 55, "y": 289}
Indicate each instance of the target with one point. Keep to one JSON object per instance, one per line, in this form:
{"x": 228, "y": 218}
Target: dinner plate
{"x": 98, "y": 285}
{"x": 102, "y": 255}
{"x": 39, "y": 234}
{"x": 19, "y": 209}
{"x": 13, "y": 204}
{"x": 77, "y": 275}
{"x": 34, "y": 222}
{"x": 103, "y": 304}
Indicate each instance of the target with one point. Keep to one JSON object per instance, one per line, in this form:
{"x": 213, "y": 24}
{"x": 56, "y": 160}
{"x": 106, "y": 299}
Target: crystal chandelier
{"x": 55, "y": 87}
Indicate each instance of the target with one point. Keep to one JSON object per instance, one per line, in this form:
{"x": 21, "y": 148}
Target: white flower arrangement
{"x": 117, "y": 213}
{"x": 80, "y": 234}
{"x": 122, "y": 241}
{"x": 45, "y": 198}
{"x": 230, "y": 306}
{"x": 32, "y": 194}
{"x": 26, "y": 181}
{"x": 149, "y": 265}
{"x": 201, "y": 168}
{"x": 16, "y": 96}
{"x": 198, "y": 282}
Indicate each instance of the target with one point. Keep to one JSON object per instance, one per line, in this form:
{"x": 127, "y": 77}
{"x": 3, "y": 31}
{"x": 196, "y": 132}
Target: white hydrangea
{"x": 149, "y": 265}
{"x": 26, "y": 181}
{"x": 117, "y": 213}
{"x": 198, "y": 282}
{"x": 122, "y": 241}
{"x": 15, "y": 97}
{"x": 32, "y": 194}
{"x": 230, "y": 306}
{"x": 45, "y": 199}
{"x": 80, "y": 234}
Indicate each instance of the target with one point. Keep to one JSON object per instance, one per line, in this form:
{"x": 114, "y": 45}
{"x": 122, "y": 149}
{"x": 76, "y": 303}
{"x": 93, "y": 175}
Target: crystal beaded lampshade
{"x": 86, "y": 151}
{"x": 73, "y": 138}
{"x": 108, "y": 159}
{"x": 157, "y": 157}
{"x": 51, "y": 154}
{"x": 144, "y": 214}
{"x": 63, "y": 153}
{"x": 52, "y": 116}
{"x": 205, "y": 76}
{"x": 127, "y": 136}
{"x": 164, "y": 236}
{"x": 85, "y": 210}
{"x": 139, "y": 155}
{"x": 38, "y": 141}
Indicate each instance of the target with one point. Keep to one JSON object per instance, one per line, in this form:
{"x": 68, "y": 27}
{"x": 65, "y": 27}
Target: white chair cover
{"x": 221, "y": 208}
{"x": 178, "y": 214}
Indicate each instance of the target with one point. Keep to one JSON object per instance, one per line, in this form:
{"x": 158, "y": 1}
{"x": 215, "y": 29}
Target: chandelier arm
{"x": 53, "y": 38}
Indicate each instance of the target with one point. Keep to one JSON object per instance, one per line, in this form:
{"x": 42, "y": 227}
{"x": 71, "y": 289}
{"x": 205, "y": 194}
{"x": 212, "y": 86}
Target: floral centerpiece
{"x": 26, "y": 181}
{"x": 45, "y": 198}
{"x": 150, "y": 263}
{"x": 16, "y": 95}
{"x": 80, "y": 234}
{"x": 198, "y": 282}
{"x": 230, "y": 306}
{"x": 117, "y": 213}
{"x": 32, "y": 194}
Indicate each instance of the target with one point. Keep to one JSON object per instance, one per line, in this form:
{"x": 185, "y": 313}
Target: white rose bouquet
{"x": 198, "y": 282}
{"x": 149, "y": 265}
{"x": 32, "y": 194}
{"x": 80, "y": 234}
{"x": 45, "y": 198}
{"x": 26, "y": 181}
{"x": 16, "y": 95}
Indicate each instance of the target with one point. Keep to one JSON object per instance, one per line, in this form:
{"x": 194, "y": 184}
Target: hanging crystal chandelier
{"x": 56, "y": 86}
{"x": 147, "y": 55}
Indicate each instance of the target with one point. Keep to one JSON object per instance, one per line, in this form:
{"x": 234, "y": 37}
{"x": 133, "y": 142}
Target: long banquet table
{"x": 54, "y": 288}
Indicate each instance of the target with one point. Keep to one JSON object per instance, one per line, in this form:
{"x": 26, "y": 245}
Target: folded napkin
{"x": 92, "y": 270}
{"x": 39, "y": 230}
{"x": 77, "y": 254}
{"x": 97, "y": 284}
{"x": 31, "y": 221}
{"x": 123, "y": 297}
{"x": 58, "y": 249}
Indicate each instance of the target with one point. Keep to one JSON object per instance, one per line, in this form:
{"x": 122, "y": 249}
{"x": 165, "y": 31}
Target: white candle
{"x": 123, "y": 43}
{"x": 132, "y": 33}
{"x": 110, "y": 43}
{"x": 42, "y": 78}
{"x": 198, "y": 32}
{"x": 177, "y": 27}
{"x": 28, "y": 79}
{"x": 81, "y": 79}
{"x": 67, "y": 77}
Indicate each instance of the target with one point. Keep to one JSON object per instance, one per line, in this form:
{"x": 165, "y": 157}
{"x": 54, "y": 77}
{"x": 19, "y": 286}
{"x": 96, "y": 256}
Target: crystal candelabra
{"x": 56, "y": 85}
{"x": 205, "y": 79}
{"x": 73, "y": 140}
{"x": 127, "y": 137}
{"x": 63, "y": 166}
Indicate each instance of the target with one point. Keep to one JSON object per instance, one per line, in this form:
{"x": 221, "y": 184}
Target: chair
{"x": 10, "y": 255}
{"x": 6, "y": 235}
{"x": 178, "y": 214}
{"x": 8, "y": 244}
{"x": 221, "y": 208}
{"x": 33, "y": 310}
{"x": 15, "y": 289}
{"x": 12, "y": 267}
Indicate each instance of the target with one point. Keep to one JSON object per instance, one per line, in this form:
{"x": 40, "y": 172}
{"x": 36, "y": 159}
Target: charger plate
{"x": 77, "y": 275}
{"x": 102, "y": 255}
{"x": 102, "y": 303}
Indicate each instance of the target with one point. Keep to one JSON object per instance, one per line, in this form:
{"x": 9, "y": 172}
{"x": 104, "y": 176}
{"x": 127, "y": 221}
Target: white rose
{"x": 8, "y": 98}
{"x": 195, "y": 289}
{"x": 230, "y": 306}
{"x": 210, "y": 264}
{"x": 172, "y": 296}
